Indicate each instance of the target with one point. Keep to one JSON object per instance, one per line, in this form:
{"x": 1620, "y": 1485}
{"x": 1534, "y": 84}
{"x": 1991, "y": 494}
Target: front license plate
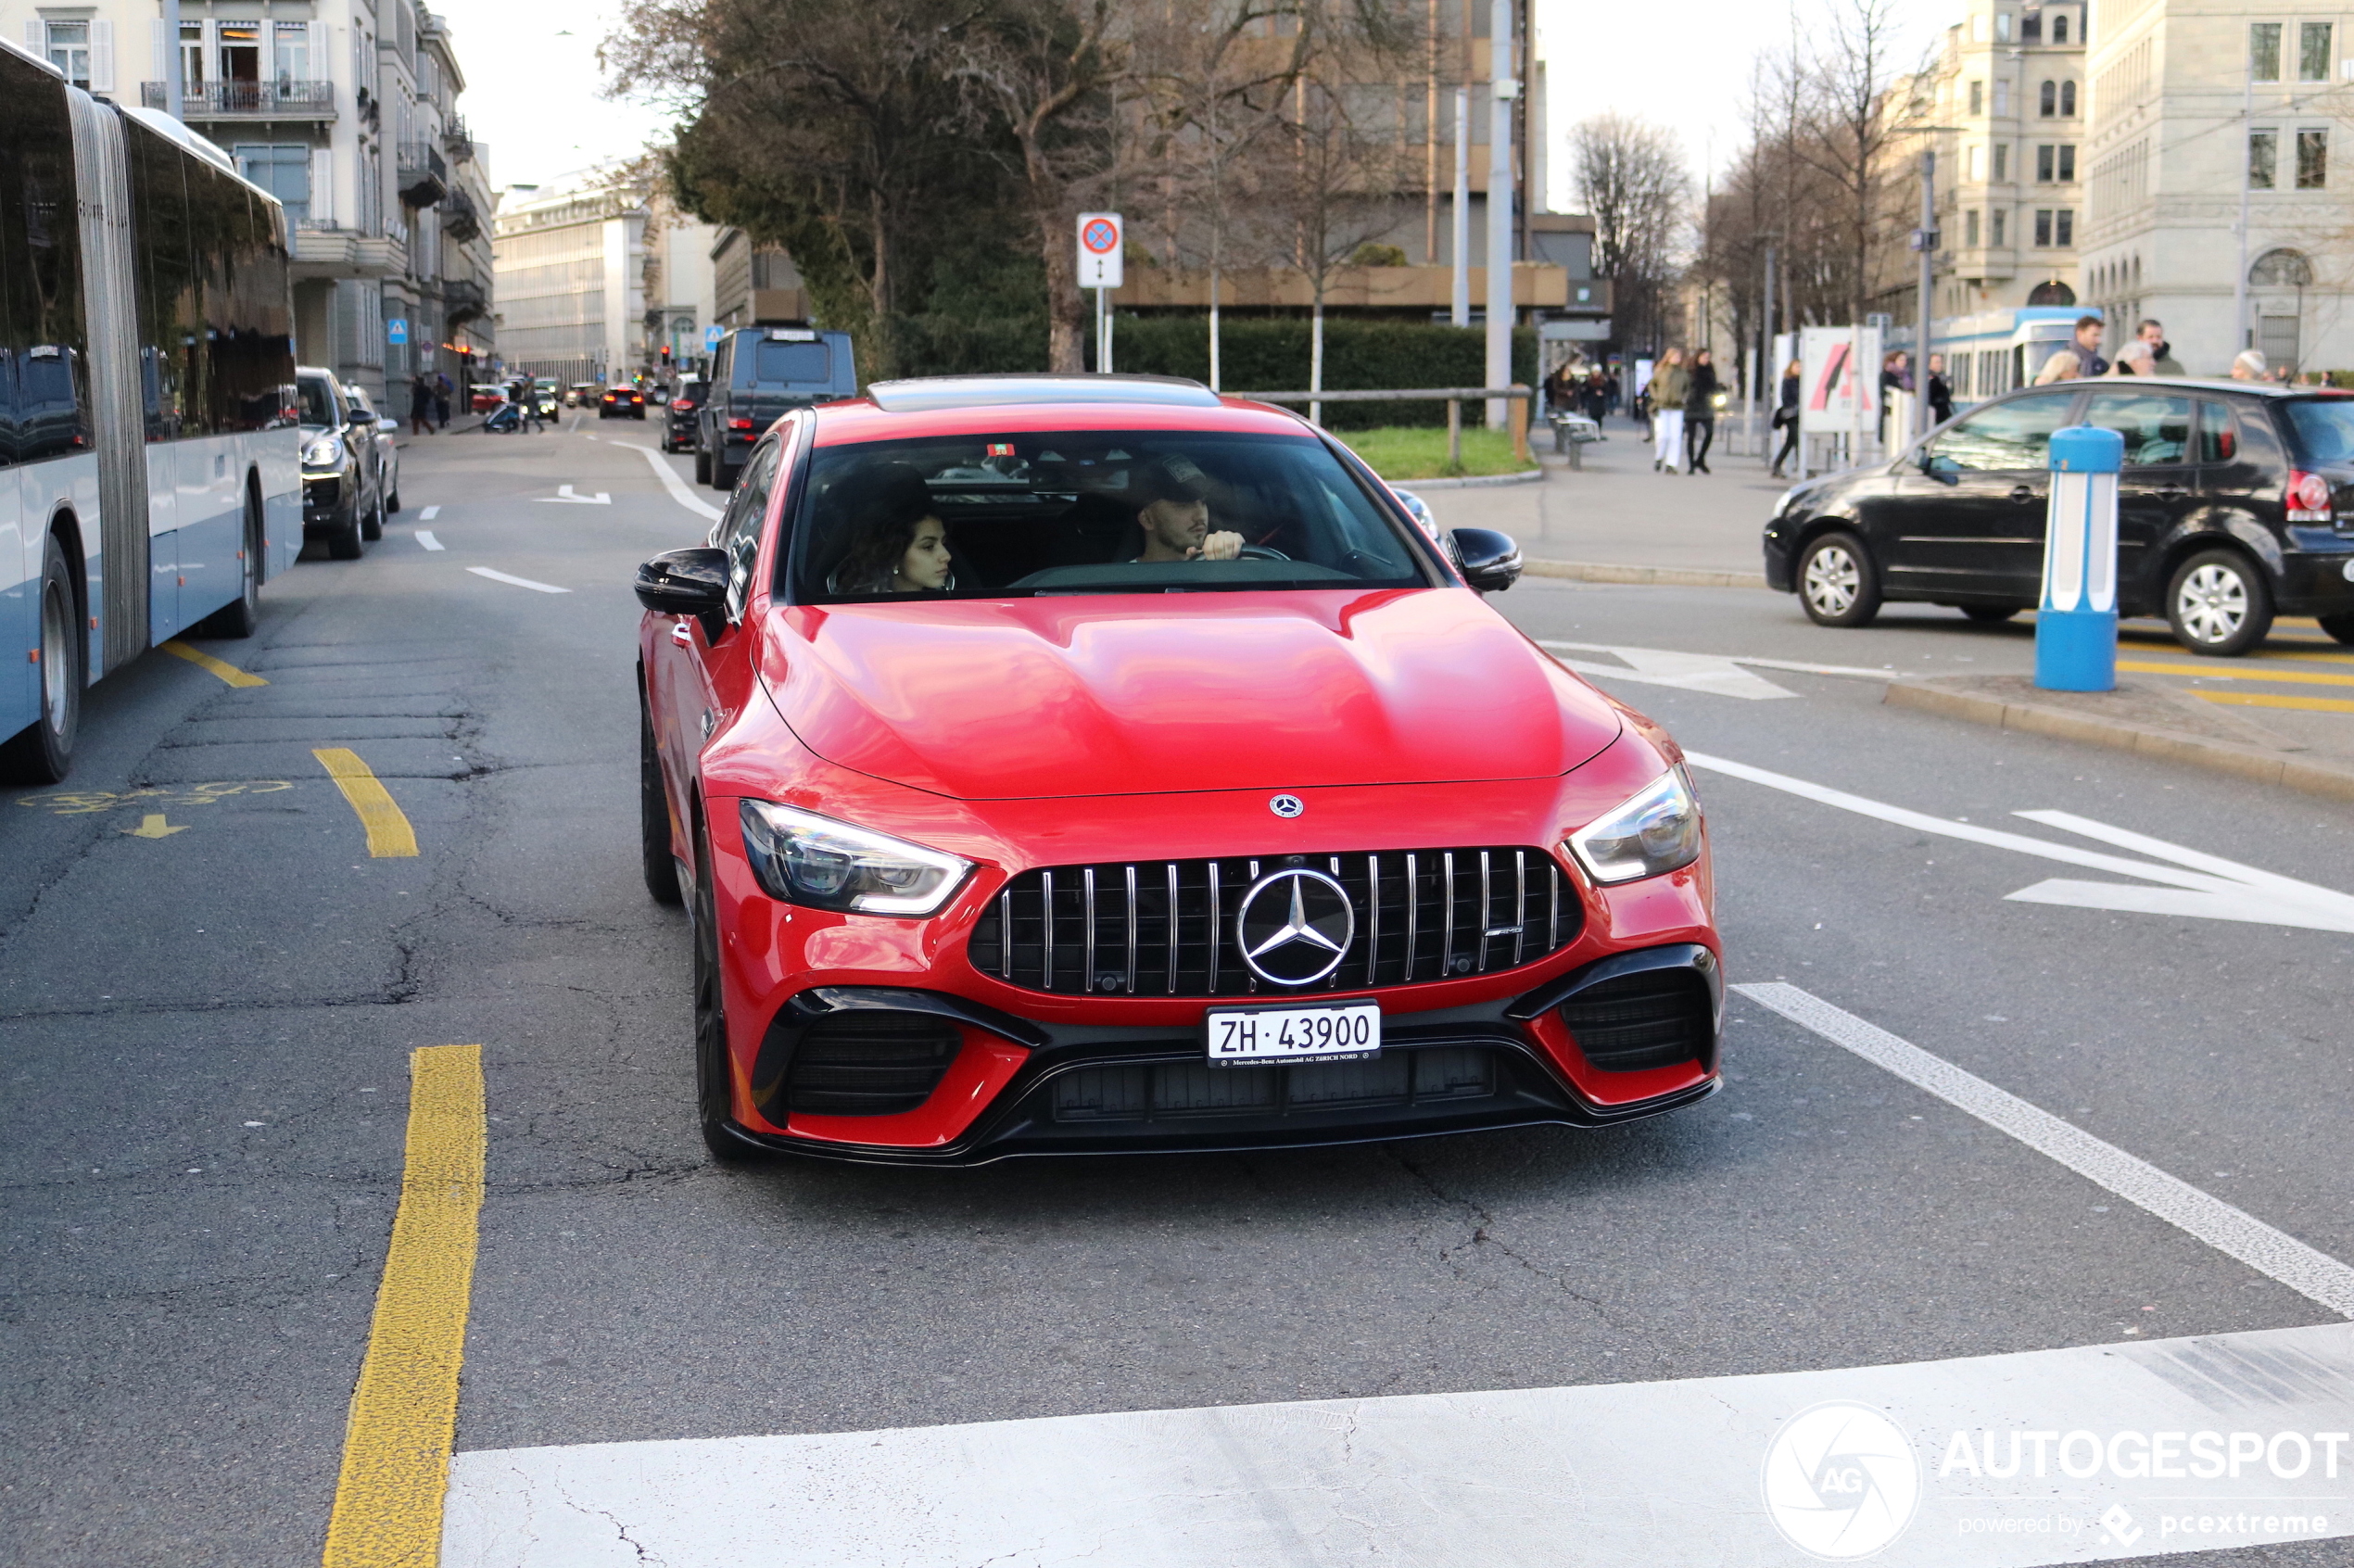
{"x": 1251, "y": 1036}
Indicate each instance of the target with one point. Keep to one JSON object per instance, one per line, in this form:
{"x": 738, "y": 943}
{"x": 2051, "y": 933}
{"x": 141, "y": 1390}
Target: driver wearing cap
{"x": 1175, "y": 515}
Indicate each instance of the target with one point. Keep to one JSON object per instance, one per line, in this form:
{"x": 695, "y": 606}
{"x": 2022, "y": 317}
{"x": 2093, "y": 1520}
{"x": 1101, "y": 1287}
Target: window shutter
{"x": 36, "y": 41}
{"x": 159, "y": 55}
{"x": 102, "y": 56}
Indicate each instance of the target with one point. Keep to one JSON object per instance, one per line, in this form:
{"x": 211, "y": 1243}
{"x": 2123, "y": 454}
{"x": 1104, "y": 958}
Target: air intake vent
{"x": 869, "y": 1063}
{"x": 1147, "y": 929}
{"x": 1658, "y": 1019}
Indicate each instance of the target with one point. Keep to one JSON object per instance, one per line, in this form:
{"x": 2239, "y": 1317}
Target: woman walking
{"x": 1700, "y": 412}
{"x": 1671, "y": 384}
{"x": 1786, "y": 415}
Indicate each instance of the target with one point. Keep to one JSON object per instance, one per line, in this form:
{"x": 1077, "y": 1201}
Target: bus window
{"x": 171, "y": 321}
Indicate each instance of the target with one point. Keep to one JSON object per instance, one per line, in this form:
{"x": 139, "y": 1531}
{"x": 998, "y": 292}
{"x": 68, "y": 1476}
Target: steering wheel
{"x": 1260, "y": 552}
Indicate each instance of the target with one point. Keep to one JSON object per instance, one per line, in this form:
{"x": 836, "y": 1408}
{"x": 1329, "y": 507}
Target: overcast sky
{"x": 531, "y": 87}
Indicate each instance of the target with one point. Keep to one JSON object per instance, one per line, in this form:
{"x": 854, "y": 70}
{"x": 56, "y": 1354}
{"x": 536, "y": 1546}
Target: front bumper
{"x": 326, "y": 500}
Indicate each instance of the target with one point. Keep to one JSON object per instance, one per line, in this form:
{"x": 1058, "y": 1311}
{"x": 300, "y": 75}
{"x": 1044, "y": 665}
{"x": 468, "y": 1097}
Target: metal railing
{"x": 214, "y": 100}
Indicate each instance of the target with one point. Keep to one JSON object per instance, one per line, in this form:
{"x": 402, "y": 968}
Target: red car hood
{"x": 1064, "y": 696}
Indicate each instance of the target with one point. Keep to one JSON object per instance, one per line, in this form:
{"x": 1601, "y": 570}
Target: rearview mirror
{"x": 1490, "y": 560}
{"x": 688, "y": 582}
{"x": 390, "y": 427}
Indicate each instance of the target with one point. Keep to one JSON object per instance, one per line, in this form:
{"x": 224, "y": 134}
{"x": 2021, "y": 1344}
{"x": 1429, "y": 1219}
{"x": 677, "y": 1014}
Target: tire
{"x": 345, "y": 544}
{"x": 703, "y": 467}
{"x": 2219, "y": 603}
{"x": 653, "y": 817}
{"x": 724, "y": 474}
{"x": 714, "y": 1110}
{"x": 393, "y": 506}
{"x": 42, "y": 752}
{"x": 2340, "y": 626}
{"x": 242, "y": 615}
{"x": 1838, "y": 583}
{"x": 371, "y": 526}
{"x": 1991, "y": 614}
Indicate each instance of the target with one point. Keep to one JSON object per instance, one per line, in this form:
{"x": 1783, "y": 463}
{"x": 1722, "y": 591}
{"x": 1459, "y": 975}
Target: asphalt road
{"x": 205, "y": 1026}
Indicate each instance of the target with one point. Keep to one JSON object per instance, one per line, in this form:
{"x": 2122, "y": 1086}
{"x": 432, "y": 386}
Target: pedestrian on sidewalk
{"x": 441, "y": 390}
{"x": 1700, "y": 412}
{"x": 1612, "y": 390}
{"x": 2135, "y": 358}
{"x": 1940, "y": 391}
{"x": 2162, "y": 361}
{"x": 1786, "y": 413}
{"x": 1671, "y": 384}
{"x": 2249, "y": 365}
{"x": 420, "y": 405}
{"x": 1597, "y": 396}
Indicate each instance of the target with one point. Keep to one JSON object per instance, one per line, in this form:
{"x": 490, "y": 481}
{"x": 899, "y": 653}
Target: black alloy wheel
{"x": 2340, "y": 626}
{"x": 2219, "y": 603}
{"x": 1991, "y": 614}
{"x": 1838, "y": 583}
{"x": 344, "y": 543}
{"x": 703, "y": 467}
{"x": 242, "y": 615}
{"x": 371, "y": 526}
{"x": 653, "y": 815}
{"x": 42, "y": 752}
{"x": 392, "y": 506}
{"x": 714, "y": 1108}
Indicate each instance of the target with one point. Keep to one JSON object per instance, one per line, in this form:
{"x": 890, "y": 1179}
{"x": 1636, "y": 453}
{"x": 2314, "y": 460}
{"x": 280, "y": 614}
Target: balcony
{"x": 249, "y": 100}
{"x": 423, "y": 177}
{"x": 460, "y": 220}
{"x": 323, "y": 248}
{"x": 456, "y": 141}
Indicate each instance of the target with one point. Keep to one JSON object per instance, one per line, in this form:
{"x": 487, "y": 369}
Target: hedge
{"x": 1257, "y": 353}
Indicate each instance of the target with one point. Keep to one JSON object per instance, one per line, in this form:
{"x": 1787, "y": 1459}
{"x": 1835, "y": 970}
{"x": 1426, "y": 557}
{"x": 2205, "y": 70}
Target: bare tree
{"x": 1631, "y": 180}
{"x": 1846, "y": 128}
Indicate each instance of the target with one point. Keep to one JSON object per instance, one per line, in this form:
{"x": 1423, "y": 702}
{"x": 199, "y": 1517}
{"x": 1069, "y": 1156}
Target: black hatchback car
{"x": 2236, "y": 503}
{"x": 684, "y": 413}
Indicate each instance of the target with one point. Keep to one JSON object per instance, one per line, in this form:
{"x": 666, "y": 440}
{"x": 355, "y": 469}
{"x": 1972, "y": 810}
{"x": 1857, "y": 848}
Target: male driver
{"x": 2163, "y": 362}
{"x": 1175, "y": 516}
{"x": 2088, "y": 346}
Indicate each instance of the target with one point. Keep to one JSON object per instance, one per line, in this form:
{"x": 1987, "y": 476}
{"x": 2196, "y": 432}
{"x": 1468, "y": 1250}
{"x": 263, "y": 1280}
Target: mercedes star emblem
{"x": 1295, "y": 927}
{"x": 1287, "y": 805}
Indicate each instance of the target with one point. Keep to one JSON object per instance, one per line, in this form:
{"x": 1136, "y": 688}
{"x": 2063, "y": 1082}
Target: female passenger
{"x": 899, "y": 544}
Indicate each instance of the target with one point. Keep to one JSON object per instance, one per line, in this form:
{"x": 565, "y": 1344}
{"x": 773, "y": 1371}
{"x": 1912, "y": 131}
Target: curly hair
{"x": 883, "y": 527}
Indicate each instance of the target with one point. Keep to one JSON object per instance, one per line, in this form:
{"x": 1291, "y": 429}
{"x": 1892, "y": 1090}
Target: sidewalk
{"x": 1617, "y": 512}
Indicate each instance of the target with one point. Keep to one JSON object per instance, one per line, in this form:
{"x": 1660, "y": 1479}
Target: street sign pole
{"x": 1101, "y": 239}
{"x": 2076, "y": 628}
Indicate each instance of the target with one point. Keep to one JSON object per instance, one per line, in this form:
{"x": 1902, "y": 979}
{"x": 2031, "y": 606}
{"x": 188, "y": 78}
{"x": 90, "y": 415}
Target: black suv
{"x": 2236, "y": 503}
{"x": 759, "y": 375}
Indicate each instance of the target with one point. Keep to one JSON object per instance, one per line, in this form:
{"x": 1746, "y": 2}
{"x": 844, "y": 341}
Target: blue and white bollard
{"x": 2076, "y": 628}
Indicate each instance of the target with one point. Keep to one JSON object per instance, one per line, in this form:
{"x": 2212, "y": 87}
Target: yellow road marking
{"x": 2275, "y": 699}
{"x": 153, "y": 826}
{"x": 2258, "y": 672}
{"x": 404, "y": 1413}
{"x": 389, "y": 835}
{"x": 203, "y": 661}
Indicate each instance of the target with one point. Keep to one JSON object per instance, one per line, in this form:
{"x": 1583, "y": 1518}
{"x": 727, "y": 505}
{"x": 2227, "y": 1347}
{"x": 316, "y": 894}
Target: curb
{"x": 1471, "y": 482}
{"x": 1668, "y": 577}
{"x": 2194, "y": 750}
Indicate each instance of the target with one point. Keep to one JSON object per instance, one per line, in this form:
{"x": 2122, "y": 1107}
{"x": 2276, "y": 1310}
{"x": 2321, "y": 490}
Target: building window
{"x": 2064, "y": 227}
{"x": 68, "y": 50}
{"x": 1969, "y": 228}
{"x": 282, "y": 169}
{"x": 2067, "y": 160}
{"x": 293, "y": 52}
{"x": 1978, "y": 97}
{"x": 2002, "y": 95}
{"x": 1974, "y": 164}
{"x": 2030, "y": 29}
{"x": 2060, "y": 27}
{"x": 2047, "y": 99}
{"x": 2067, "y": 99}
{"x": 2313, "y": 52}
{"x": 2002, "y": 226}
{"x": 2264, "y": 50}
{"x": 2002, "y": 164}
{"x": 2001, "y": 27}
{"x": 191, "y": 73}
{"x": 2043, "y": 158}
{"x": 2043, "y": 226}
{"x": 2312, "y": 160}
{"x": 2263, "y": 160}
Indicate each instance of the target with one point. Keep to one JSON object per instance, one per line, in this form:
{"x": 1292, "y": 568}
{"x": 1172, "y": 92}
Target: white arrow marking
{"x": 2218, "y": 890}
{"x": 1686, "y": 672}
{"x": 676, "y": 486}
{"x": 519, "y": 582}
{"x": 429, "y": 513}
{"x": 563, "y": 493}
{"x": 425, "y": 537}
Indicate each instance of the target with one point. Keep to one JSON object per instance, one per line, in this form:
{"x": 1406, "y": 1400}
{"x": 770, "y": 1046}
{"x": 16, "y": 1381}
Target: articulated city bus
{"x": 150, "y": 462}
{"x": 1996, "y": 350}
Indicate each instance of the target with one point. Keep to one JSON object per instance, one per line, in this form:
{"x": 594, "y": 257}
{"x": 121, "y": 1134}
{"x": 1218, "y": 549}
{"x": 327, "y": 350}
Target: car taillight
{"x": 739, "y": 424}
{"x": 2308, "y": 497}
{"x": 682, "y": 403}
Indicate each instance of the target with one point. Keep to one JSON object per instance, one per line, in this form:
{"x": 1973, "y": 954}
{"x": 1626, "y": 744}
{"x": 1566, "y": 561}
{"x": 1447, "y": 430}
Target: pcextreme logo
{"x": 1841, "y": 1481}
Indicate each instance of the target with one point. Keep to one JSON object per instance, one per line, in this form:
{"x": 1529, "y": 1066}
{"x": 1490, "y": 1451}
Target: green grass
{"x": 1405, "y": 451}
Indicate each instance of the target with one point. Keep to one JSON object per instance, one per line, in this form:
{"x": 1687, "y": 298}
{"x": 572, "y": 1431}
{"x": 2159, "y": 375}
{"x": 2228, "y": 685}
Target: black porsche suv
{"x": 2236, "y": 504}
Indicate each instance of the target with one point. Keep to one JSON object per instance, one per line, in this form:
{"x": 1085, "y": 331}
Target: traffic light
{"x": 666, "y": 356}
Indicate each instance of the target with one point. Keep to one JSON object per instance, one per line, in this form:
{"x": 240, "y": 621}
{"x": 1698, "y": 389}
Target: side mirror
{"x": 389, "y": 426}
{"x": 688, "y": 582}
{"x": 1490, "y": 560}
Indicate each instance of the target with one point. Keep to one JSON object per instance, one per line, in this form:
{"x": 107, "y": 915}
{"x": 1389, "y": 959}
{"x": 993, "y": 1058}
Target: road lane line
{"x": 206, "y": 661}
{"x": 519, "y": 582}
{"x": 404, "y": 1411}
{"x": 2254, "y": 671}
{"x": 2275, "y": 699}
{"x": 429, "y": 513}
{"x": 678, "y": 487}
{"x": 389, "y": 835}
{"x": 425, "y": 537}
{"x": 2274, "y": 1253}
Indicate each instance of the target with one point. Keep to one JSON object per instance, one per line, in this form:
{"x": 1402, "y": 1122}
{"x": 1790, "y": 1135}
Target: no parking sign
{"x": 1099, "y": 245}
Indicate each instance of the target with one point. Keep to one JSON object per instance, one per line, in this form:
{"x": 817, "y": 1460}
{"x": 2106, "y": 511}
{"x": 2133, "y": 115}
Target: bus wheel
{"x": 242, "y": 615}
{"x": 42, "y": 750}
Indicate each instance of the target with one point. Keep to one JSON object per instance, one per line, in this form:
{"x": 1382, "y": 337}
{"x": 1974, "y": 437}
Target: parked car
{"x": 581, "y": 394}
{"x": 944, "y": 909}
{"x": 621, "y": 402}
{"x": 759, "y": 374}
{"x": 488, "y": 395}
{"x": 2236, "y": 504}
{"x": 681, "y": 420}
{"x": 385, "y": 459}
{"x": 340, "y": 503}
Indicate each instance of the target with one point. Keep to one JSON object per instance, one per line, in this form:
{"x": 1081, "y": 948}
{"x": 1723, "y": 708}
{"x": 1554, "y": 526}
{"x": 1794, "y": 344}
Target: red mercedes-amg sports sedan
{"x": 1060, "y": 764}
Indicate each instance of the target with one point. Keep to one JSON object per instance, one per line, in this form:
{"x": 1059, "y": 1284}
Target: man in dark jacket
{"x": 1940, "y": 391}
{"x": 1700, "y": 412}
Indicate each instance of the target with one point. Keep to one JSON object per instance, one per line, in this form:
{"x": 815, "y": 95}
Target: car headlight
{"x": 804, "y": 858}
{"x": 1652, "y": 831}
{"x": 324, "y": 451}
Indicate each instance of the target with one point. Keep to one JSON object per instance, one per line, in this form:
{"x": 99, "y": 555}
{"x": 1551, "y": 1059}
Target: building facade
{"x": 571, "y": 271}
{"x": 680, "y": 286}
{"x": 2203, "y": 112}
{"x": 346, "y": 111}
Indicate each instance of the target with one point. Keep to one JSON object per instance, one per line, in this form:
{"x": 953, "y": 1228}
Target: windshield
{"x": 791, "y": 362}
{"x": 318, "y": 400}
{"x": 1089, "y": 511}
{"x": 2324, "y": 429}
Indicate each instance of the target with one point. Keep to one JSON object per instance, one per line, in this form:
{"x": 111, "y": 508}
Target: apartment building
{"x": 344, "y": 109}
{"x": 680, "y": 286}
{"x": 2203, "y": 113}
{"x": 570, "y": 268}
